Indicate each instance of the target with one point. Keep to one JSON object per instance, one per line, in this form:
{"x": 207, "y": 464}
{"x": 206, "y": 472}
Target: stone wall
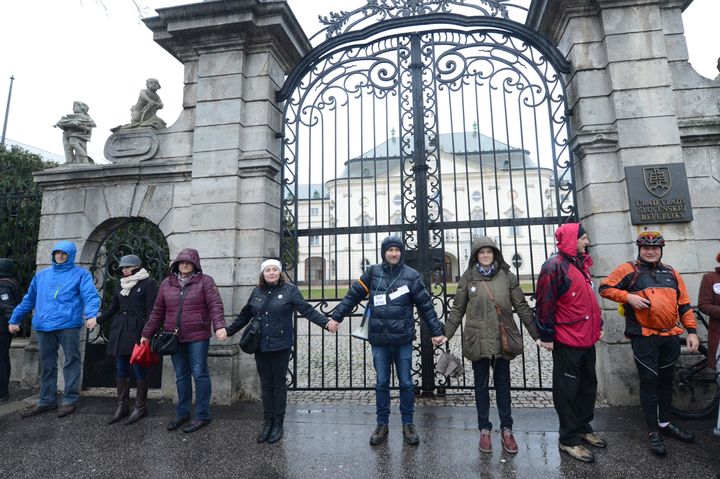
{"x": 635, "y": 100}
{"x": 213, "y": 184}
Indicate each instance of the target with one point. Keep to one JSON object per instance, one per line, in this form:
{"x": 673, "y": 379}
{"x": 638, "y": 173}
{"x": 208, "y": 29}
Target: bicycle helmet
{"x": 650, "y": 238}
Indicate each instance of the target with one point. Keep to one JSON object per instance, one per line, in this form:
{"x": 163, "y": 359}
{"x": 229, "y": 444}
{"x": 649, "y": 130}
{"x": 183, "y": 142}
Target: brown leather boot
{"x": 123, "y": 392}
{"x": 140, "y": 409}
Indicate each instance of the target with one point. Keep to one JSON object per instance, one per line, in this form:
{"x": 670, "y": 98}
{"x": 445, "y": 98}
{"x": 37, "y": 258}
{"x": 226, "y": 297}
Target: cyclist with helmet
{"x": 655, "y": 303}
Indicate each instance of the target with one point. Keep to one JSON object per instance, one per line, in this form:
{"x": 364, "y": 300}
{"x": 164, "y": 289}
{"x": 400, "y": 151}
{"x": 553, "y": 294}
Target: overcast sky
{"x": 101, "y": 53}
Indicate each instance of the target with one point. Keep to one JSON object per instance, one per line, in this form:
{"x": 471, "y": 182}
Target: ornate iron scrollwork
{"x": 338, "y": 23}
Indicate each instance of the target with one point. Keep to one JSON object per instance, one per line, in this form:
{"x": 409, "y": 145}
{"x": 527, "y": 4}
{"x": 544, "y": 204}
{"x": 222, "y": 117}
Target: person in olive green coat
{"x": 481, "y": 336}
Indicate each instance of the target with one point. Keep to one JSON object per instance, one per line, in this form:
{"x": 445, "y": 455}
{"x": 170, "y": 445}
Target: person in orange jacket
{"x": 654, "y": 299}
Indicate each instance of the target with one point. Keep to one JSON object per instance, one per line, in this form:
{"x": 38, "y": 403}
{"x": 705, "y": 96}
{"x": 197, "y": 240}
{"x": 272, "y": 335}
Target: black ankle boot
{"x": 266, "y": 430}
{"x": 277, "y": 431}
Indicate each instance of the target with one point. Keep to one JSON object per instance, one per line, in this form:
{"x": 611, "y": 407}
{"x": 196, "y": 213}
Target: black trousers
{"x": 574, "y": 391}
{"x": 5, "y": 340}
{"x": 272, "y": 367}
{"x": 655, "y": 358}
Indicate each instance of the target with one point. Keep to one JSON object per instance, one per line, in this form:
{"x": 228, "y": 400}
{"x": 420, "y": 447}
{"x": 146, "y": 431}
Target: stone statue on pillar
{"x": 138, "y": 139}
{"x": 144, "y": 112}
{"x": 77, "y": 130}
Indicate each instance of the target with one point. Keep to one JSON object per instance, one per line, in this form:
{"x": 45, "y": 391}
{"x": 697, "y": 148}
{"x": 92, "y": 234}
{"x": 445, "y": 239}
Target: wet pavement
{"x": 331, "y": 441}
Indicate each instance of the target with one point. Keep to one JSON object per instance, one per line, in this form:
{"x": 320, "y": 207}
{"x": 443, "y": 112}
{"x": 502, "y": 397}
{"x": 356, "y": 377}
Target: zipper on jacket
{"x": 56, "y": 292}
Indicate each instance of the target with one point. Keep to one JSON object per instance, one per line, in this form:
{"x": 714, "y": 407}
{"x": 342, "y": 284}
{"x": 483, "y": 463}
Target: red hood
{"x": 566, "y": 237}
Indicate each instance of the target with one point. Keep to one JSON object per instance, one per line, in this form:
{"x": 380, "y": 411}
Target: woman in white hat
{"x": 274, "y": 301}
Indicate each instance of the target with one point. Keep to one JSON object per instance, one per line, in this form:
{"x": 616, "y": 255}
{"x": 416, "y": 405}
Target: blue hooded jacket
{"x": 63, "y": 295}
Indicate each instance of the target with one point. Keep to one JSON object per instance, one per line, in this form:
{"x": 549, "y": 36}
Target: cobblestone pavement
{"x": 453, "y": 397}
{"x": 325, "y": 360}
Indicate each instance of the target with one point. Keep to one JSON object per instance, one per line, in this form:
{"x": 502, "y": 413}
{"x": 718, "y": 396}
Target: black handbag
{"x": 250, "y": 339}
{"x": 165, "y": 343}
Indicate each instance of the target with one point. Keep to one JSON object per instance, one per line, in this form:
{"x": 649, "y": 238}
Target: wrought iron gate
{"x": 438, "y": 121}
{"x": 134, "y": 236}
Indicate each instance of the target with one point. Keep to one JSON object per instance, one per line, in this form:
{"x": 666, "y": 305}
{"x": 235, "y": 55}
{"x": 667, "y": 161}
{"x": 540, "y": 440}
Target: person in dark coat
{"x": 129, "y": 309}
{"x": 394, "y": 288}
{"x": 188, "y": 300}
{"x": 709, "y": 303}
{"x": 9, "y": 298}
{"x": 274, "y": 301}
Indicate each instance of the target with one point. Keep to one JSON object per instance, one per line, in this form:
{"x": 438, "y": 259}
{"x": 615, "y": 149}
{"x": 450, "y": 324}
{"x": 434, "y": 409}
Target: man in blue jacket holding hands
{"x": 63, "y": 297}
{"x": 394, "y": 288}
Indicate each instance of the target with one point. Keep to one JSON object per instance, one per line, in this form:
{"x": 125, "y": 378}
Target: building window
{"x": 477, "y": 215}
{"x": 476, "y": 195}
{"x": 315, "y": 240}
{"x": 314, "y": 211}
{"x": 397, "y": 200}
{"x": 366, "y": 221}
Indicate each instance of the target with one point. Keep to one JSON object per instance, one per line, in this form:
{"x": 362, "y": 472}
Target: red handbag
{"x": 143, "y": 356}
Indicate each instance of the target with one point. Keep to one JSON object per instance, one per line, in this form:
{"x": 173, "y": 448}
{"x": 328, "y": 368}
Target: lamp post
{"x": 7, "y": 111}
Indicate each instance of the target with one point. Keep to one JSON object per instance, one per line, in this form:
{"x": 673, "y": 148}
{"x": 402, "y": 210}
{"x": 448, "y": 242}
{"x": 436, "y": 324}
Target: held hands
{"x": 91, "y": 323}
{"x": 144, "y": 340}
{"x": 333, "y": 326}
{"x": 692, "y": 342}
{"x": 542, "y": 344}
{"x": 439, "y": 340}
{"x": 221, "y": 334}
{"x": 13, "y": 328}
{"x": 638, "y": 302}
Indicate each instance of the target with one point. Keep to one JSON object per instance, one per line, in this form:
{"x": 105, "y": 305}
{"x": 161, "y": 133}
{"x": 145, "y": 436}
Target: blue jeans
{"x": 48, "y": 342}
{"x": 501, "y": 380}
{"x": 191, "y": 359}
{"x": 383, "y": 358}
{"x": 122, "y": 369}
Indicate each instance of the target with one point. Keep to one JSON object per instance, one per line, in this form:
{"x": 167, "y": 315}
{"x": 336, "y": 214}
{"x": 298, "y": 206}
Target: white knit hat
{"x": 270, "y": 262}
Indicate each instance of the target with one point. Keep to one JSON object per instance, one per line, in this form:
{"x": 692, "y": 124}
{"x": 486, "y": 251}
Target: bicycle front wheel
{"x": 695, "y": 391}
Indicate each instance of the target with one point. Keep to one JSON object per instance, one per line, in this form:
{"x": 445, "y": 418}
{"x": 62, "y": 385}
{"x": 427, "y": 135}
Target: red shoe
{"x": 508, "y": 441}
{"x": 485, "y": 442}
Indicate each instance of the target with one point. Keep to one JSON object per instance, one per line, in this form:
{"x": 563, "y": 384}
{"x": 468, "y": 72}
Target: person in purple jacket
{"x": 191, "y": 298}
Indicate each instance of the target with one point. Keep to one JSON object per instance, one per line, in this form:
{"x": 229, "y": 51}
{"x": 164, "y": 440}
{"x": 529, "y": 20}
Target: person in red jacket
{"x": 654, "y": 298}
{"x": 709, "y": 303}
{"x": 570, "y": 323}
{"x": 189, "y": 299}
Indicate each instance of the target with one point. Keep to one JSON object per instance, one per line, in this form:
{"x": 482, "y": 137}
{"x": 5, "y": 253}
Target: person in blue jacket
{"x": 394, "y": 288}
{"x": 63, "y": 297}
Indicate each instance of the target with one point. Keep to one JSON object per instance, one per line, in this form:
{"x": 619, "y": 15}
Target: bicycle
{"x": 696, "y": 392}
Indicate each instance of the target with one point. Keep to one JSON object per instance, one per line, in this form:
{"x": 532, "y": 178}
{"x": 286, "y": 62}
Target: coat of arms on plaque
{"x": 657, "y": 180}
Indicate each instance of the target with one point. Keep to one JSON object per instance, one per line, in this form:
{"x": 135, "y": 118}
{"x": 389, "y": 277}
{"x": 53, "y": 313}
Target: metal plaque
{"x": 658, "y": 194}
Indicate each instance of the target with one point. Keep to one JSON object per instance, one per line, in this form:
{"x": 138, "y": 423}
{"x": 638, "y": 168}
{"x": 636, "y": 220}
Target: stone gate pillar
{"x": 635, "y": 100}
{"x": 213, "y": 183}
{"x": 236, "y": 55}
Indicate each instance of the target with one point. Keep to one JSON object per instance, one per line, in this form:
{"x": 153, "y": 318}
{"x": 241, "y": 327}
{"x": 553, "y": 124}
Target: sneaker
{"x": 379, "y": 435}
{"x": 410, "y": 436}
{"x": 593, "y": 439}
{"x": 673, "y": 431}
{"x": 485, "y": 441}
{"x": 578, "y": 452}
{"x": 508, "y": 441}
{"x": 656, "y": 444}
